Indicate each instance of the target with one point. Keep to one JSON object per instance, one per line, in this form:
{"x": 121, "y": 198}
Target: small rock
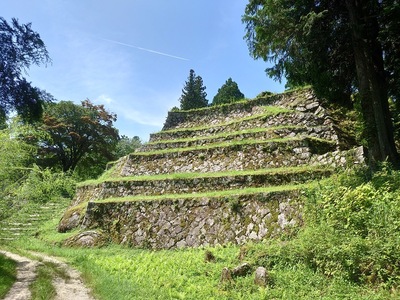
{"x": 89, "y": 238}
{"x": 312, "y": 105}
{"x": 70, "y": 222}
{"x": 241, "y": 270}
{"x": 226, "y": 275}
{"x": 209, "y": 257}
{"x": 261, "y": 276}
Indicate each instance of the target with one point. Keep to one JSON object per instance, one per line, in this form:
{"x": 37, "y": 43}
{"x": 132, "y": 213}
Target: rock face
{"x": 254, "y": 156}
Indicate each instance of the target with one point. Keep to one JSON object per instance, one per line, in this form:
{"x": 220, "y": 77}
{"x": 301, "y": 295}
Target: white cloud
{"x": 104, "y": 99}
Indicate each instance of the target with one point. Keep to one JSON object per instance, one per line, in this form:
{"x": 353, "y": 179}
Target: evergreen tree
{"x": 193, "y": 94}
{"x": 228, "y": 93}
{"x": 339, "y": 47}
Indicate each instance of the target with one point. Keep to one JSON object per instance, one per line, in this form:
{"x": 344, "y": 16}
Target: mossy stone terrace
{"x": 223, "y": 174}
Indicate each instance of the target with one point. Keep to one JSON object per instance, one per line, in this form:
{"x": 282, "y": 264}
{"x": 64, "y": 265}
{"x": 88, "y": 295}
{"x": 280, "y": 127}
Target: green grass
{"x": 8, "y": 274}
{"x": 42, "y": 288}
{"x": 173, "y": 176}
{"x": 116, "y": 272}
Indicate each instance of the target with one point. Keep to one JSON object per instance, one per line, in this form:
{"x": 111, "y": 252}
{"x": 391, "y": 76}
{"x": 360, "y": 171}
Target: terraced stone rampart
{"x": 251, "y": 155}
{"x": 261, "y": 134}
{"x": 224, "y": 174}
{"x": 194, "y": 222}
{"x": 294, "y": 118}
{"x": 150, "y": 187}
{"x": 302, "y": 100}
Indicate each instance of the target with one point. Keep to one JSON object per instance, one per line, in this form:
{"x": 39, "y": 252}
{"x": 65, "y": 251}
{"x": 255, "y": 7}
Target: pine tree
{"x": 228, "y": 93}
{"x": 193, "y": 94}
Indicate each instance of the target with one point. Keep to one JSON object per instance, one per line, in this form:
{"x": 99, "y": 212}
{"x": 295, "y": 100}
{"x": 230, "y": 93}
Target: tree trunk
{"x": 372, "y": 84}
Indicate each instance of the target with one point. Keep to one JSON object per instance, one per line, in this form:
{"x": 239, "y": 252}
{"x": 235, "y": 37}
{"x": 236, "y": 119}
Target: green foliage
{"x": 21, "y": 181}
{"x": 20, "y": 47}
{"x": 390, "y": 12}
{"x": 228, "y": 93}
{"x": 338, "y": 47}
{"x": 15, "y": 160}
{"x": 74, "y": 136}
{"x": 301, "y": 39}
{"x": 15, "y": 157}
{"x": 127, "y": 145}
{"x": 8, "y": 274}
{"x": 193, "y": 93}
{"x": 43, "y": 185}
{"x": 352, "y": 228}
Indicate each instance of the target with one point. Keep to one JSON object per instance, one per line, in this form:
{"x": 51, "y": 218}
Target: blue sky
{"x": 134, "y": 56}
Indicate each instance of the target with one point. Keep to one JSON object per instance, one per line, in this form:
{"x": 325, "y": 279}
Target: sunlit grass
{"x": 42, "y": 288}
{"x": 7, "y": 274}
{"x": 116, "y": 272}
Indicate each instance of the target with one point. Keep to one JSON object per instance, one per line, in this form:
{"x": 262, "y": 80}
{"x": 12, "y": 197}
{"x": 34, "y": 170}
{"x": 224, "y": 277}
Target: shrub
{"x": 42, "y": 185}
{"x": 353, "y": 229}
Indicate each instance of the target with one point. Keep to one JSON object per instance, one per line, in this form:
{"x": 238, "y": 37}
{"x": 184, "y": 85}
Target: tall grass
{"x": 8, "y": 274}
{"x": 42, "y": 288}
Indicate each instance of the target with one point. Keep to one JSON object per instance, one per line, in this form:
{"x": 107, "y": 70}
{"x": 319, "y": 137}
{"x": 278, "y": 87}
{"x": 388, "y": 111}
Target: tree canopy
{"x": 339, "y": 47}
{"x": 127, "y": 145}
{"x": 229, "y": 92}
{"x": 193, "y": 94}
{"x": 20, "y": 47}
{"x": 72, "y": 134}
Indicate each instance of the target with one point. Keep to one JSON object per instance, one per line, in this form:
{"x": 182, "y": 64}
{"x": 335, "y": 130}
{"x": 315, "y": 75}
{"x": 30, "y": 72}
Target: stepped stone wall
{"x": 245, "y": 156}
{"x": 248, "y": 136}
{"x": 167, "y": 224}
{"x": 135, "y": 187}
{"x": 302, "y": 101}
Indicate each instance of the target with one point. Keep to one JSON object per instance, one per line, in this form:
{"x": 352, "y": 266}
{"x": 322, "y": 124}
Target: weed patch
{"x": 42, "y": 288}
{"x": 7, "y": 274}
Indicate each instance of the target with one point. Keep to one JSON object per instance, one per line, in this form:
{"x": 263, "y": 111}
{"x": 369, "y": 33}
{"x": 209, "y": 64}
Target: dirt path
{"x": 26, "y": 274}
{"x": 70, "y": 287}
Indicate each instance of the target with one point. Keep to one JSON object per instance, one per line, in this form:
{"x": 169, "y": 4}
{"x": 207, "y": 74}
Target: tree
{"x": 20, "y": 47}
{"x": 337, "y": 47}
{"x": 73, "y": 134}
{"x": 228, "y": 93}
{"x": 193, "y": 93}
{"x": 127, "y": 145}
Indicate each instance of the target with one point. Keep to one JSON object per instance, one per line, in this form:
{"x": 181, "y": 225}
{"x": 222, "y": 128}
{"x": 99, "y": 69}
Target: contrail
{"x": 148, "y": 50}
